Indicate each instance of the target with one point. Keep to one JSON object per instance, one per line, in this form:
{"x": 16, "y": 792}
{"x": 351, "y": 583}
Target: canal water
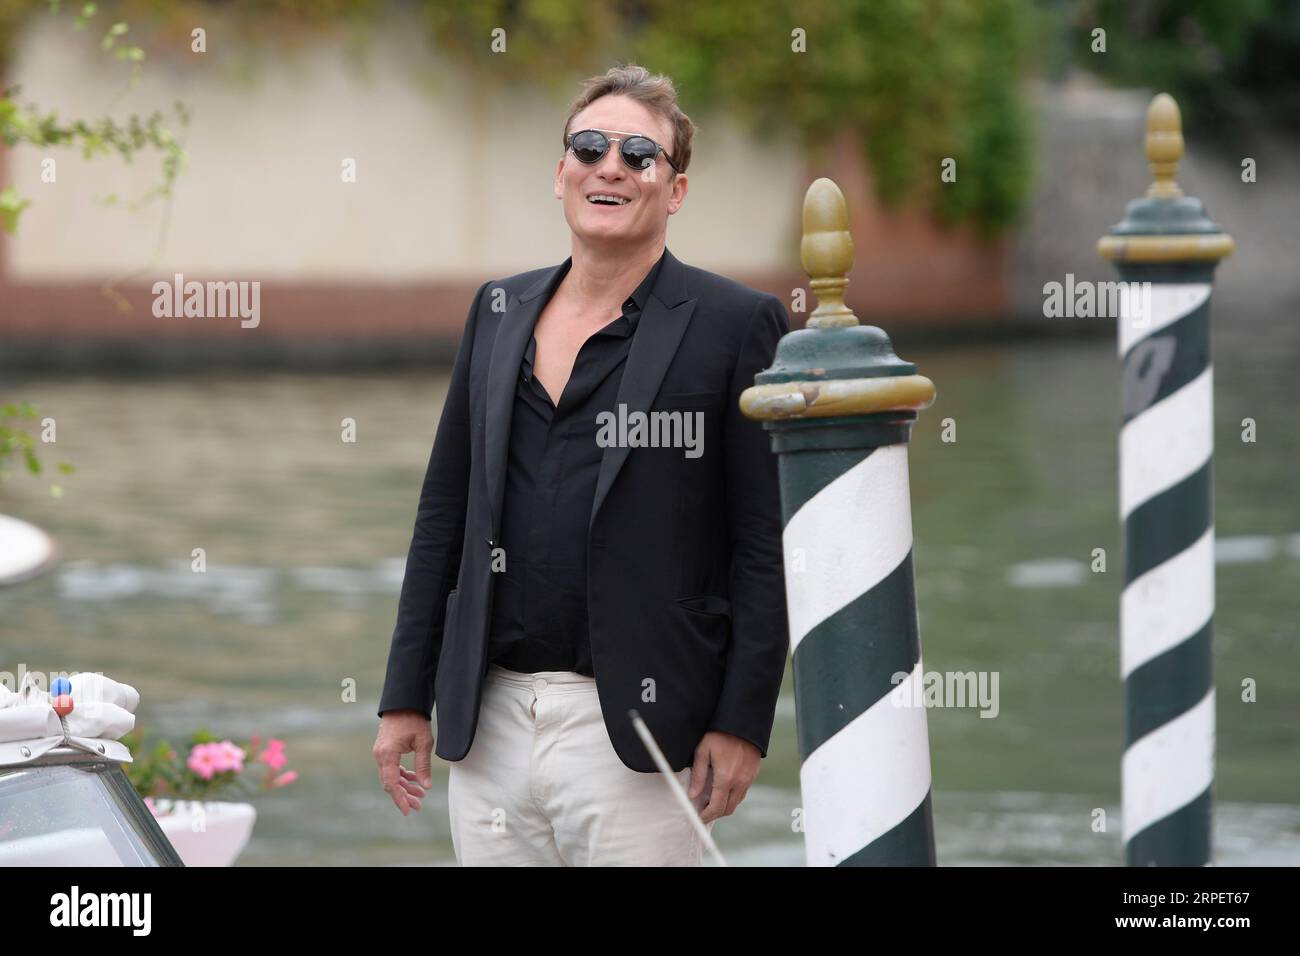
{"x": 304, "y": 537}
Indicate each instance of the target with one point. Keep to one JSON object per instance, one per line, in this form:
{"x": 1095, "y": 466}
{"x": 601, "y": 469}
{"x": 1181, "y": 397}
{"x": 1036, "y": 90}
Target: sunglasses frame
{"x": 620, "y": 139}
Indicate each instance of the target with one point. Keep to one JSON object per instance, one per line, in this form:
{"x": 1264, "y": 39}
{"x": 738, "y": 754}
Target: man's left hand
{"x": 734, "y": 761}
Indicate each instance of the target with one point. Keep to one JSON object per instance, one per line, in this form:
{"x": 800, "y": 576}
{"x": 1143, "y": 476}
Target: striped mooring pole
{"x": 1166, "y": 503}
{"x": 839, "y": 406}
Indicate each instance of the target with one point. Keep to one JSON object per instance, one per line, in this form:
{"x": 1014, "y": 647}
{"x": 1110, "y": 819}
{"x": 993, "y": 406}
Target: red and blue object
{"x": 61, "y": 691}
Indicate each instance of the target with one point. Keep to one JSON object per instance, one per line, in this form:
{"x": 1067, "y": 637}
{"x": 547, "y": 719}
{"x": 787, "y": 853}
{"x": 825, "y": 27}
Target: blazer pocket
{"x": 706, "y": 604}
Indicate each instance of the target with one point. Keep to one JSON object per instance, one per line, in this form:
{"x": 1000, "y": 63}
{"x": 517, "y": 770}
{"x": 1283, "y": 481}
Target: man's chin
{"x": 597, "y": 234}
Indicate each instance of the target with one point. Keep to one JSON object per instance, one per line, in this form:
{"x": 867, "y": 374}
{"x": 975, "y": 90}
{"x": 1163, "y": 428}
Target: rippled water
{"x": 304, "y": 537}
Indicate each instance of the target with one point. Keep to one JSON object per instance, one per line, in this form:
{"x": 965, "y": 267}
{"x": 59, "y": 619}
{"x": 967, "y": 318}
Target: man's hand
{"x": 734, "y": 762}
{"x": 400, "y": 732}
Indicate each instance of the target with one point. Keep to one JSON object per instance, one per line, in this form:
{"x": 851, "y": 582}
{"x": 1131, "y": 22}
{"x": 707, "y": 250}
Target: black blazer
{"x": 685, "y": 584}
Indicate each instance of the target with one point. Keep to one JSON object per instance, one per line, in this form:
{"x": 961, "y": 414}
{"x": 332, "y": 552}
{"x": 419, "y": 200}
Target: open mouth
{"x": 604, "y": 199}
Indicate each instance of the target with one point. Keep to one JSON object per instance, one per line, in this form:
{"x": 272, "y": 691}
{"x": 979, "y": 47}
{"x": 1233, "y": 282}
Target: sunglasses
{"x": 639, "y": 152}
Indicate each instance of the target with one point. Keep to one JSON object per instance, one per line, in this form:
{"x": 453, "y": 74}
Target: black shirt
{"x": 539, "y": 610}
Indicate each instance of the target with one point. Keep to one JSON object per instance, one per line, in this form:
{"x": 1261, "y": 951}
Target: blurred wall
{"x": 1091, "y": 162}
{"x": 453, "y": 188}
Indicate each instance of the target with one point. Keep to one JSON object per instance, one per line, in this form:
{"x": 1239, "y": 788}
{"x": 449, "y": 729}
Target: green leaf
{"x": 11, "y": 207}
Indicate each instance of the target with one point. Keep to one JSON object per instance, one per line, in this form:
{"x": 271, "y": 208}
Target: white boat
{"x": 64, "y": 797}
{"x": 25, "y": 551}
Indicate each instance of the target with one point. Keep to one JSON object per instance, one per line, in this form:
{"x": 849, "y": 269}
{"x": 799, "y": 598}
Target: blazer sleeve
{"x": 760, "y": 636}
{"x": 433, "y": 561}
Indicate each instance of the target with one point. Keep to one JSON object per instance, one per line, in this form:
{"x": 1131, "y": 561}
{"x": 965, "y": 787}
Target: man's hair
{"x": 655, "y": 92}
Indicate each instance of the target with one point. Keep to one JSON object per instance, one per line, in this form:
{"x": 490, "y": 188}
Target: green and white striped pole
{"x": 839, "y": 405}
{"x": 1166, "y": 502}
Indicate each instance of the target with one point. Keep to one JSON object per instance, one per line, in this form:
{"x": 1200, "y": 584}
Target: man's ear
{"x": 559, "y": 179}
{"x": 680, "y": 185}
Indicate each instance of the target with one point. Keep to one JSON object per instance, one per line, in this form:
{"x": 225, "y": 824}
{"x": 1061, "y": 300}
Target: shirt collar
{"x": 641, "y": 294}
{"x": 633, "y": 306}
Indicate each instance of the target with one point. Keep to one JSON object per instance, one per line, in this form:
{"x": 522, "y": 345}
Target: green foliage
{"x": 159, "y": 769}
{"x": 995, "y": 143}
{"x": 1229, "y": 63}
{"x": 11, "y": 205}
{"x": 18, "y": 442}
{"x": 95, "y": 137}
{"x": 915, "y": 80}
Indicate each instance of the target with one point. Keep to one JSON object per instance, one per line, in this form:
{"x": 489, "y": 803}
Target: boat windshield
{"x": 83, "y": 813}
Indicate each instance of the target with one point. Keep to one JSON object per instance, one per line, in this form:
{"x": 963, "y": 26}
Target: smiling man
{"x": 558, "y": 578}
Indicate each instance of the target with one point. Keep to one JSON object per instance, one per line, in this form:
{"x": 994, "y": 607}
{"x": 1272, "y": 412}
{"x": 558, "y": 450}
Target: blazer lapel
{"x": 659, "y": 332}
{"x": 513, "y": 333}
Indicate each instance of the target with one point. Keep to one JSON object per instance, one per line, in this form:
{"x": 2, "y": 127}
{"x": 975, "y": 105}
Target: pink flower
{"x": 228, "y": 756}
{"x": 210, "y": 759}
{"x": 148, "y": 802}
{"x": 285, "y": 778}
{"x": 200, "y": 761}
{"x": 273, "y": 756}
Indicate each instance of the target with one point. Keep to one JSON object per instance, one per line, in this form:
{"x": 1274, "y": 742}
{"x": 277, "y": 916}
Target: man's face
{"x": 653, "y": 195}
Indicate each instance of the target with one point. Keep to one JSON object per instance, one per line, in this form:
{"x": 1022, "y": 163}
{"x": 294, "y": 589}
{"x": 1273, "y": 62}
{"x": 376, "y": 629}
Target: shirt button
{"x": 491, "y": 543}
{"x": 539, "y": 685}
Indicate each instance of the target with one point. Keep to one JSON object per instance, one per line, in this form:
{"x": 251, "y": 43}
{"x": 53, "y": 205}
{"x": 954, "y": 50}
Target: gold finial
{"x": 1164, "y": 146}
{"x": 1131, "y": 240}
{"x": 827, "y": 253}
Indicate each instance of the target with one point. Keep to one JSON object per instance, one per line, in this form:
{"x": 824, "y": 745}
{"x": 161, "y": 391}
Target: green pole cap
{"x": 835, "y": 366}
{"x": 1165, "y": 226}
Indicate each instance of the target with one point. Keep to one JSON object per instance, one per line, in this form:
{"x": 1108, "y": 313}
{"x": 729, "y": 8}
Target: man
{"x": 598, "y": 531}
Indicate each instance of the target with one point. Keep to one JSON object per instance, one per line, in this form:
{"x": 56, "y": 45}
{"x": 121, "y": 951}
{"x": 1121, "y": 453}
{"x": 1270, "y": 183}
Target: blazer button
{"x": 491, "y": 543}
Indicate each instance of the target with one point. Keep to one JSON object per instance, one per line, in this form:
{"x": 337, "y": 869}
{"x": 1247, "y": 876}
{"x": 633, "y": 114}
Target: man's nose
{"x": 611, "y": 165}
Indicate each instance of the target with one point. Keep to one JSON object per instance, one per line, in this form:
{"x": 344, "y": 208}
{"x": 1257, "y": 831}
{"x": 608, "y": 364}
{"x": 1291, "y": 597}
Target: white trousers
{"x": 542, "y": 785}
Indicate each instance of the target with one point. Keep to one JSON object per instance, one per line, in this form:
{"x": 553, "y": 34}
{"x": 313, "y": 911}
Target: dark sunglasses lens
{"x": 589, "y": 146}
{"x": 639, "y": 152}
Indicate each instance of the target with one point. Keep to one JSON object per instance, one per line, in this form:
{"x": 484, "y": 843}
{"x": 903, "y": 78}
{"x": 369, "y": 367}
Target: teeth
{"x": 614, "y": 199}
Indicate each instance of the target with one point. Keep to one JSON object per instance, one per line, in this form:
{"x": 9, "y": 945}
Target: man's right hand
{"x": 400, "y": 732}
